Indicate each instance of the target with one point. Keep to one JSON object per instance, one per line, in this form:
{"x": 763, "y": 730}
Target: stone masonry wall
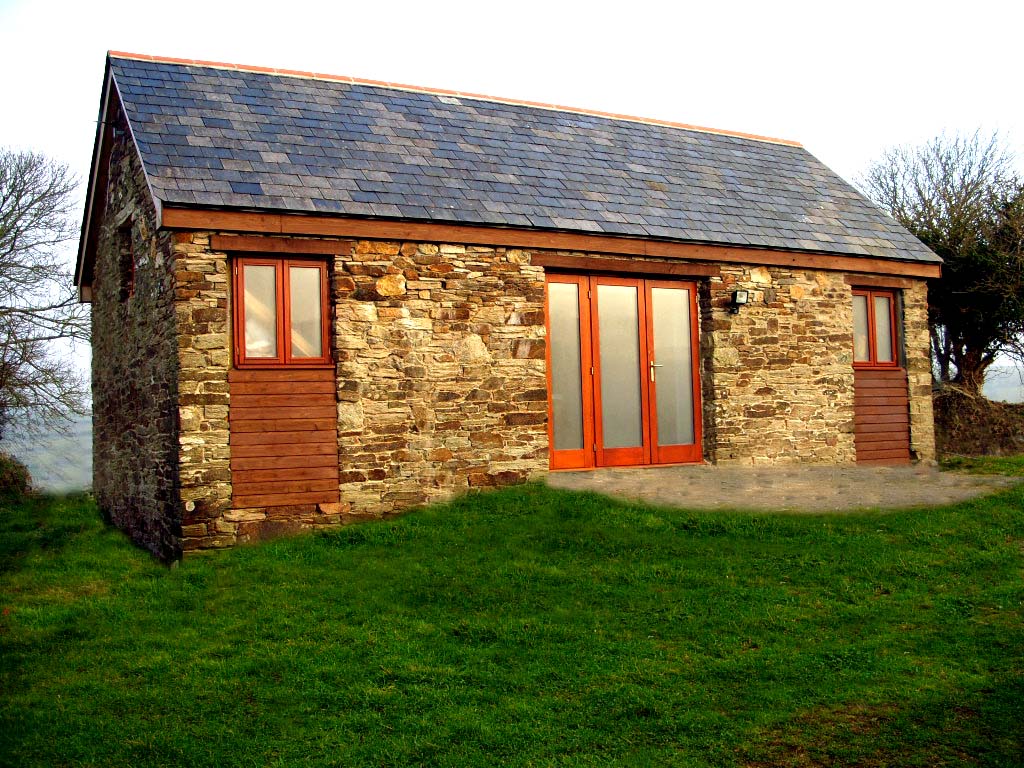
{"x": 134, "y": 363}
{"x": 782, "y": 368}
{"x": 441, "y": 387}
{"x": 439, "y": 352}
{"x": 202, "y": 320}
{"x": 441, "y": 373}
{"x": 919, "y": 371}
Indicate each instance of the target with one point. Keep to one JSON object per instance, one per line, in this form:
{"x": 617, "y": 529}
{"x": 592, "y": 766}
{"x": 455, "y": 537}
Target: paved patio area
{"x": 796, "y": 489}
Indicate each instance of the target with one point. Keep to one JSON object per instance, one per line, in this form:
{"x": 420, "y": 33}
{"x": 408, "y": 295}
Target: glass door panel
{"x": 621, "y": 355}
{"x": 672, "y": 342}
{"x": 673, "y": 365}
{"x": 570, "y": 385}
{"x": 566, "y": 366}
{"x": 623, "y": 383}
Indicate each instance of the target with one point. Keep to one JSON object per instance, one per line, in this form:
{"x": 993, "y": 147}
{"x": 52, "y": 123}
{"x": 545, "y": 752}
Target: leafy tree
{"x": 961, "y": 197}
{"x": 39, "y": 385}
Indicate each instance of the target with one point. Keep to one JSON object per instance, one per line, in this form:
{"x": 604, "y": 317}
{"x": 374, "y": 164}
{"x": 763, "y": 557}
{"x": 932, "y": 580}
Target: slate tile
{"x": 313, "y": 140}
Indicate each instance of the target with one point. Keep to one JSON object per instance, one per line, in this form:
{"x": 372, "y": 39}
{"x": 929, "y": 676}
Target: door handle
{"x": 653, "y": 366}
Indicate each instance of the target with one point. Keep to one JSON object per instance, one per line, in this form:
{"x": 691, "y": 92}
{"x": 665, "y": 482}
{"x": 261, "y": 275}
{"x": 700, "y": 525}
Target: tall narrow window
{"x": 280, "y": 312}
{"x": 874, "y": 329}
{"x": 125, "y": 263}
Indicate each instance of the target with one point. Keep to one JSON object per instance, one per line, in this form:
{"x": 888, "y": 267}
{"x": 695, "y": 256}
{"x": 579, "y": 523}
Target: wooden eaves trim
{"x": 326, "y": 226}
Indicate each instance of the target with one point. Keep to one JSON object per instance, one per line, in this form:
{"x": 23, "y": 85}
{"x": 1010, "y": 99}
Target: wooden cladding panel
{"x": 881, "y": 422}
{"x": 284, "y": 437}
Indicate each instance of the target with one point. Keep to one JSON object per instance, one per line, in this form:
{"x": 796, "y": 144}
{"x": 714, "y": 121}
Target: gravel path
{"x": 796, "y": 489}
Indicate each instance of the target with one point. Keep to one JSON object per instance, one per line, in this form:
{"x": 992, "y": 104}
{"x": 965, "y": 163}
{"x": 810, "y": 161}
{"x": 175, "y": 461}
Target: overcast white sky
{"x": 846, "y": 79}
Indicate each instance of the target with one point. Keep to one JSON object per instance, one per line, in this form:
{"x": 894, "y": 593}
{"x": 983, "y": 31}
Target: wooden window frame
{"x": 872, "y": 362}
{"x": 284, "y": 358}
{"x": 593, "y": 453}
{"x": 572, "y": 458}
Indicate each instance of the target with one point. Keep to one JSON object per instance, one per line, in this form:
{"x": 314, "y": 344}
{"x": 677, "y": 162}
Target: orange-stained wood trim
{"x": 264, "y": 451}
{"x": 299, "y": 224}
{"x": 236, "y": 375}
{"x": 572, "y": 458}
{"x": 881, "y": 416}
{"x": 294, "y": 473}
{"x": 632, "y": 455}
{"x": 311, "y": 437}
{"x": 674, "y": 454}
{"x": 239, "y": 426}
{"x": 271, "y": 244}
{"x": 300, "y": 461}
{"x": 596, "y": 264}
{"x": 281, "y": 387}
{"x": 278, "y": 486}
{"x": 243, "y": 410}
{"x": 867, "y": 281}
{"x": 285, "y": 499}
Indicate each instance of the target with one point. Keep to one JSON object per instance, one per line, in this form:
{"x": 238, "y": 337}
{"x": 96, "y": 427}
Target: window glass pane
{"x": 674, "y": 379}
{"x": 260, "y": 303}
{"x": 861, "y": 352}
{"x": 883, "y": 329}
{"x": 304, "y": 293}
{"x": 566, "y": 392}
{"x": 618, "y": 325}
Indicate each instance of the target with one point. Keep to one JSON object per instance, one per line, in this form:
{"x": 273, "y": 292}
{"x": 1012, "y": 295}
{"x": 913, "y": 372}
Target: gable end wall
{"x": 134, "y": 364}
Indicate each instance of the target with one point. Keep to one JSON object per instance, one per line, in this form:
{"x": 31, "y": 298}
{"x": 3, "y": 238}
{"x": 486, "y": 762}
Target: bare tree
{"x": 962, "y": 198}
{"x": 39, "y": 386}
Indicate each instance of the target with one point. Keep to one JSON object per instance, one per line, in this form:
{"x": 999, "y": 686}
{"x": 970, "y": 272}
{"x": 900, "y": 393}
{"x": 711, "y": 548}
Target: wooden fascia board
{"x": 97, "y": 179}
{"x": 110, "y": 104}
{"x": 324, "y": 226}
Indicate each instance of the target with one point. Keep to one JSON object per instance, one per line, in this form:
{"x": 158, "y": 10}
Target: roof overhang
{"x": 110, "y": 104}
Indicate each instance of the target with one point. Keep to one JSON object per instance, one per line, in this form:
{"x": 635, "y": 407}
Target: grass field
{"x": 525, "y": 627}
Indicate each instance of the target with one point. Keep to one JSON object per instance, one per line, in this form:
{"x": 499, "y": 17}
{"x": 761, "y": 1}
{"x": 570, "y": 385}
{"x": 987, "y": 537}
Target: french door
{"x": 623, "y": 373}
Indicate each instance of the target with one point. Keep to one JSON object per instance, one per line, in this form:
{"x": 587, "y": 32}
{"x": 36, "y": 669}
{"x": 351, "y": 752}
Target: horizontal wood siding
{"x": 881, "y": 416}
{"x": 284, "y": 437}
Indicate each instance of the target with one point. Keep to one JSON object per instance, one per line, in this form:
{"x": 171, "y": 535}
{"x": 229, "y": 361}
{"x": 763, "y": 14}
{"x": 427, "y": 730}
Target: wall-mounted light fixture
{"x": 739, "y": 298}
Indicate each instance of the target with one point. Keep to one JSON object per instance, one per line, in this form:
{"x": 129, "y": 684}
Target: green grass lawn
{"x": 525, "y": 627}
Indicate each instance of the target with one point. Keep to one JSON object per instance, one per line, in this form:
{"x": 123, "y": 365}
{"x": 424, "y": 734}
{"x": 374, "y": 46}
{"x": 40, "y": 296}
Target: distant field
{"x": 526, "y": 627}
{"x": 59, "y": 463}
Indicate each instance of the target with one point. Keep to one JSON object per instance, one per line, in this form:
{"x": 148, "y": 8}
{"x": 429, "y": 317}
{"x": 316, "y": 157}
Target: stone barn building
{"x": 316, "y": 298}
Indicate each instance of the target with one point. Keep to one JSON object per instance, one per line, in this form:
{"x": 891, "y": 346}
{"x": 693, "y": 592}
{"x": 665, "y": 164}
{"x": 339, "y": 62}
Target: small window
{"x": 874, "y": 329}
{"x": 280, "y": 316}
{"x": 125, "y": 263}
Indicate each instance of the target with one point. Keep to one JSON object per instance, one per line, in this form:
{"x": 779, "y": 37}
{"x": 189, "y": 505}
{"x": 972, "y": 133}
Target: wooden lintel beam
{"x": 277, "y": 244}
{"x": 868, "y": 281}
{"x": 597, "y": 264}
{"x": 326, "y": 226}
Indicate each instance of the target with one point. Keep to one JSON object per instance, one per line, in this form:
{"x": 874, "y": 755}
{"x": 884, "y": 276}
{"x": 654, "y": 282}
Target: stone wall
{"x": 439, "y": 353}
{"x": 441, "y": 373}
{"x": 134, "y": 363}
{"x": 441, "y": 386}
{"x": 202, "y": 321}
{"x": 916, "y": 342}
{"x": 780, "y": 371}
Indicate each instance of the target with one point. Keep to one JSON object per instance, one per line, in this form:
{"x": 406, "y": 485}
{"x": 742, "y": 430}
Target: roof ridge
{"x": 444, "y": 92}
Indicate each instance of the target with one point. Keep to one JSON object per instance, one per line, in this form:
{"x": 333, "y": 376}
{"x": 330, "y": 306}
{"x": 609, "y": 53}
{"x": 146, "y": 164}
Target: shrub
{"x": 15, "y": 479}
{"x": 971, "y": 425}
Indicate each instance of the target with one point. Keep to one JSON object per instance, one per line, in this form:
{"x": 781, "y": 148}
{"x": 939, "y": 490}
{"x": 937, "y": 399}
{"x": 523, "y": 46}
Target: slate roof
{"x": 237, "y": 138}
